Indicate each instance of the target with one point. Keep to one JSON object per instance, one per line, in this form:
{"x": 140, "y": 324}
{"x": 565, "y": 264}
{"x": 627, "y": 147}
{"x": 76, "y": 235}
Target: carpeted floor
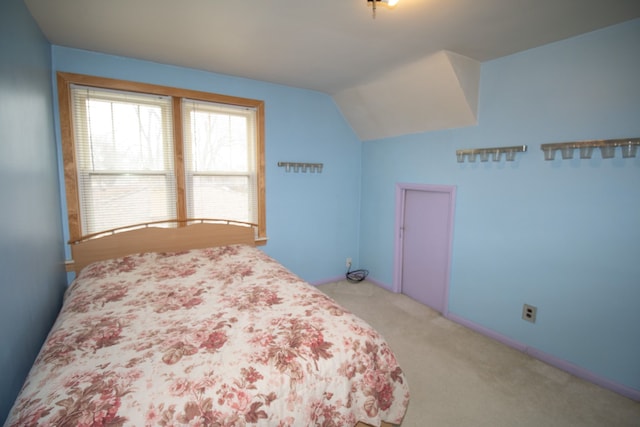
{"x": 459, "y": 378}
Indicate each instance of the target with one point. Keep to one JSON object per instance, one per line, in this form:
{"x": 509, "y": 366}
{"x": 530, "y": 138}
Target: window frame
{"x": 194, "y": 171}
{"x": 64, "y": 82}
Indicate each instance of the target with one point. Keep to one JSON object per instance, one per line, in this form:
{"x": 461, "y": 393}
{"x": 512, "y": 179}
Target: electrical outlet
{"x": 348, "y": 262}
{"x": 529, "y": 313}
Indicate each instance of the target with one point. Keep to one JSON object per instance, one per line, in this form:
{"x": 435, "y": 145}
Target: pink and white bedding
{"x": 212, "y": 337}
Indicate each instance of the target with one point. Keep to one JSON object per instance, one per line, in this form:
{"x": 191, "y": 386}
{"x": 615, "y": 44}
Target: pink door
{"x": 425, "y": 234}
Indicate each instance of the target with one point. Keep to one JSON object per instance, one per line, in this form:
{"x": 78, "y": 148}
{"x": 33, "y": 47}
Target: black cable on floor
{"x": 356, "y": 276}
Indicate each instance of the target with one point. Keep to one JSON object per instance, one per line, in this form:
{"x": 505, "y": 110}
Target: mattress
{"x": 221, "y": 336}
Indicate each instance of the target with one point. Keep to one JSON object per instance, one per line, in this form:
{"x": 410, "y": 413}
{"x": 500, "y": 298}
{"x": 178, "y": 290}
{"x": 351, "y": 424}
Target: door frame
{"x": 401, "y": 190}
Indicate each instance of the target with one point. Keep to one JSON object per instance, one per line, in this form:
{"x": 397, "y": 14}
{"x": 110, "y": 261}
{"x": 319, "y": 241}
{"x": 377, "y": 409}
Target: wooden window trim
{"x": 65, "y": 80}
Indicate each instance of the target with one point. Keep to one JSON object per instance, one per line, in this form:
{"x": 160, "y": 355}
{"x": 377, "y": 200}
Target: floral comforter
{"x": 214, "y": 337}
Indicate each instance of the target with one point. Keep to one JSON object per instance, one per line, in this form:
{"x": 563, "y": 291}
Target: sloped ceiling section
{"x": 335, "y": 47}
{"x": 436, "y": 92}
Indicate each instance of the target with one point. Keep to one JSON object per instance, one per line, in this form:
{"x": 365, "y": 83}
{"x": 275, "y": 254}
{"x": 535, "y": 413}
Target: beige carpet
{"x": 459, "y": 378}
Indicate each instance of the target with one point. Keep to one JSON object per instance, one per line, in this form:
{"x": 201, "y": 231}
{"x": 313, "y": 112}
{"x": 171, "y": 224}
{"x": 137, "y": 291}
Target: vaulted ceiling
{"x": 411, "y": 68}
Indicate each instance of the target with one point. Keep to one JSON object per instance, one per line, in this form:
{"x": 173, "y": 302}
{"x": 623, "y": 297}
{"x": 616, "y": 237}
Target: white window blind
{"x": 124, "y": 155}
{"x": 220, "y": 160}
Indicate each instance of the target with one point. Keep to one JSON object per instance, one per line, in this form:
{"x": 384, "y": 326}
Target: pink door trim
{"x": 401, "y": 189}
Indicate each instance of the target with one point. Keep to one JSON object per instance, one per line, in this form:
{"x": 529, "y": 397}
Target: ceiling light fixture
{"x": 389, "y": 3}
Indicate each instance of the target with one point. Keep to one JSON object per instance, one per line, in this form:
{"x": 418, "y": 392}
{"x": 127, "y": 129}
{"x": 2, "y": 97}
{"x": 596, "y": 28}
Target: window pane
{"x": 220, "y": 161}
{"x": 124, "y": 149}
{"x": 221, "y": 197}
{"x": 124, "y": 136}
{"x": 219, "y": 142}
{"x": 121, "y": 200}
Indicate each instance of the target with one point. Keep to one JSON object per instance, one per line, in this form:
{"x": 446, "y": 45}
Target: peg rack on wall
{"x": 471, "y": 154}
{"x": 607, "y": 147}
{"x": 301, "y": 167}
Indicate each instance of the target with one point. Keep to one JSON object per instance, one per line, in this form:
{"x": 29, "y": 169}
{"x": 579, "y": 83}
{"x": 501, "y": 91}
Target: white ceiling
{"x": 330, "y": 46}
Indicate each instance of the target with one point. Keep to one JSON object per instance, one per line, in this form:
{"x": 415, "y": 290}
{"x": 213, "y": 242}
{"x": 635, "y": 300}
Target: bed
{"x": 195, "y": 326}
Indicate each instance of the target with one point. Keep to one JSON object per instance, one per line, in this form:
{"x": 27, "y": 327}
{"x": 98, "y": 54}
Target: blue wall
{"x": 32, "y": 277}
{"x": 562, "y": 235}
{"x": 312, "y": 219}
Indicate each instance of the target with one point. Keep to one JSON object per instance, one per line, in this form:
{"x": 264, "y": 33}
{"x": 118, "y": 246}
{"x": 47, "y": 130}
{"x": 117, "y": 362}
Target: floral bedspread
{"x": 214, "y": 337}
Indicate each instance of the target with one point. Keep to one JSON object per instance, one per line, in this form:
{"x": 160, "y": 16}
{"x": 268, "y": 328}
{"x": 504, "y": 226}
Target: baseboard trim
{"x": 381, "y": 284}
{"x": 341, "y": 278}
{"x": 325, "y": 281}
{"x": 564, "y": 365}
{"x": 557, "y": 362}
